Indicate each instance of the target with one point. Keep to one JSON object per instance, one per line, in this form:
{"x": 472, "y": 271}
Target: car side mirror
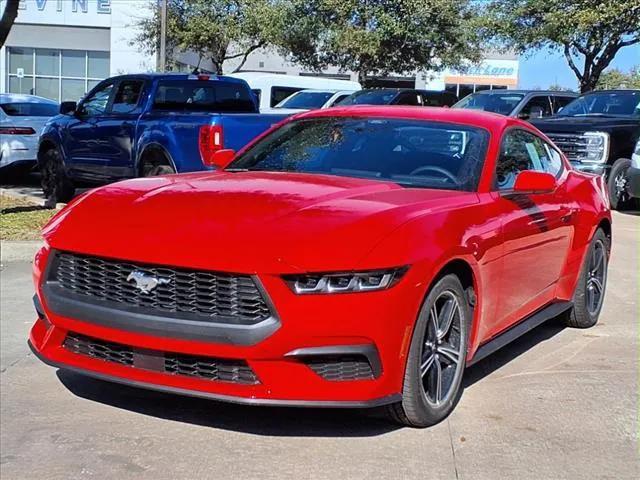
{"x": 67, "y": 108}
{"x": 222, "y": 158}
{"x": 530, "y": 181}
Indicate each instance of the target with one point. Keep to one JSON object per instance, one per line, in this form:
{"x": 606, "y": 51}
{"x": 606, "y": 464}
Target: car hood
{"x": 585, "y": 124}
{"x": 243, "y": 222}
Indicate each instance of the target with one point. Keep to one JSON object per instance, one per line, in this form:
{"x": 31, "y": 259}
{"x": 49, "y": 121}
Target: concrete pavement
{"x": 557, "y": 404}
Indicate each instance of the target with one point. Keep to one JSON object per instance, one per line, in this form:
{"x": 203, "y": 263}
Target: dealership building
{"x": 60, "y": 49}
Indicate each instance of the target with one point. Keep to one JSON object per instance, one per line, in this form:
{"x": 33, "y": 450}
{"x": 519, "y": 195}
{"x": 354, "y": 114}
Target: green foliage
{"x": 218, "y": 30}
{"x": 618, "y": 79}
{"x": 588, "y": 32}
{"x": 377, "y": 37}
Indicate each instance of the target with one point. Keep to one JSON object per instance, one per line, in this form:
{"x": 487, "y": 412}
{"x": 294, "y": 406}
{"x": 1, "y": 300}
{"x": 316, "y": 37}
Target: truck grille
{"x": 573, "y": 145}
{"x": 206, "y": 294}
{"x": 341, "y": 368}
{"x": 206, "y": 368}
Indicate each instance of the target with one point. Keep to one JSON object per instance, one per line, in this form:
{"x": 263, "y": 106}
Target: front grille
{"x": 341, "y": 368}
{"x": 573, "y": 145}
{"x": 207, "y": 368}
{"x": 206, "y": 294}
{"x": 213, "y": 369}
{"x": 100, "y": 349}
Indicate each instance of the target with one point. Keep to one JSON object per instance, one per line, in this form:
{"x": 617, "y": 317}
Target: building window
{"x": 56, "y": 74}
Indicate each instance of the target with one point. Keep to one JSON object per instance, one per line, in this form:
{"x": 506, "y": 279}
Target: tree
{"x": 378, "y": 37}
{"x": 8, "y": 18}
{"x": 618, "y": 79}
{"x": 218, "y": 30}
{"x": 588, "y": 32}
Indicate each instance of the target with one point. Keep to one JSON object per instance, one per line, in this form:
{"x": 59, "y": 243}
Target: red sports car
{"x": 350, "y": 257}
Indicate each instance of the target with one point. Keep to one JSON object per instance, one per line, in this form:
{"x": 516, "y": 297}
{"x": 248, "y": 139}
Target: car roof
{"x": 177, "y": 76}
{"x": 498, "y": 91}
{"x": 474, "y": 118}
{"x": 22, "y": 98}
{"x": 616, "y": 90}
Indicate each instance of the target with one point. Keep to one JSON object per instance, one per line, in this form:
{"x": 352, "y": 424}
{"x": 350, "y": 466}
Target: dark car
{"x": 400, "y": 96}
{"x": 598, "y": 133}
{"x": 523, "y": 104}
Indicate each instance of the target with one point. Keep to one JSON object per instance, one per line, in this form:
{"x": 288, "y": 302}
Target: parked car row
{"x": 144, "y": 125}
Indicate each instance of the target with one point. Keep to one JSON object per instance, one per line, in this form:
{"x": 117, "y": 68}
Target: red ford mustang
{"x": 350, "y": 257}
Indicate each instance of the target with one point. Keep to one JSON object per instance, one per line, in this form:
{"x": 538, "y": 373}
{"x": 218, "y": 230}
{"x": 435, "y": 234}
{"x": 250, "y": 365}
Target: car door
{"x": 116, "y": 130}
{"x": 536, "y": 228}
{"x": 538, "y": 106}
{"x": 85, "y": 150}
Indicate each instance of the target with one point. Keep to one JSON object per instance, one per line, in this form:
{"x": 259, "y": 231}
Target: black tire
{"x": 417, "y": 408}
{"x": 154, "y": 164}
{"x": 56, "y": 185}
{"x": 617, "y": 185}
{"x": 583, "y": 314}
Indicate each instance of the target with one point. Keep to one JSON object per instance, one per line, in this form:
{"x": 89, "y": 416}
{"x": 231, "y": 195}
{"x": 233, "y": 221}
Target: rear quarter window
{"x": 29, "y": 109}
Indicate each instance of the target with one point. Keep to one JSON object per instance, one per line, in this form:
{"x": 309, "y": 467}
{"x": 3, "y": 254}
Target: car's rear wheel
{"x": 617, "y": 185}
{"x": 437, "y": 356}
{"x": 56, "y": 184}
{"x": 155, "y": 163}
{"x": 589, "y": 295}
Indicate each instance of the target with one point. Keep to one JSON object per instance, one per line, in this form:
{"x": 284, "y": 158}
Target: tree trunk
{"x": 362, "y": 78}
{"x": 8, "y": 18}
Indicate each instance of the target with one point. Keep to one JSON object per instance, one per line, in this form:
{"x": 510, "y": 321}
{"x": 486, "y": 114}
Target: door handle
{"x": 566, "y": 218}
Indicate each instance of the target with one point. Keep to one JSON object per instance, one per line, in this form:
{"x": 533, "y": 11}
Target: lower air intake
{"x": 341, "y": 368}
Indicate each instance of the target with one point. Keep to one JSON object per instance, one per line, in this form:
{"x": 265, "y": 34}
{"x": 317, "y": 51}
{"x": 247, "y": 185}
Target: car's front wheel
{"x": 56, "y": 185}
{"x": 617, "y": 184}
{"x": 437, "y": 356}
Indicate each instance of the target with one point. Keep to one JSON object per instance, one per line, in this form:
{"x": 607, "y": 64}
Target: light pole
{"x": 162, "y": 64}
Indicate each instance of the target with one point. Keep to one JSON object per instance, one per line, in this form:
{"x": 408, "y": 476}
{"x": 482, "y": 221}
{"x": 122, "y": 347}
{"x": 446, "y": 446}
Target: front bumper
{"x": 373, "y": 325}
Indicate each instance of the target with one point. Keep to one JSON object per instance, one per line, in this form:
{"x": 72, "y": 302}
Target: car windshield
{"x": 502, "y": 103}
{"x": 30, "y": 109}
{"x": 369, "y": 97}
{"x": 412, "y": 153}
{"x": 626, "y": 104}
{"x": 305, "y": 100}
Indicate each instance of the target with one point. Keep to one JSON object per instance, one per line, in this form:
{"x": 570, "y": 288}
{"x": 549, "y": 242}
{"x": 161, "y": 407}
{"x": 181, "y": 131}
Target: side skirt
{"x": 519, "y": 329}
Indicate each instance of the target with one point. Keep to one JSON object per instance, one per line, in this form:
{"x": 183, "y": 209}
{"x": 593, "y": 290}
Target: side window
{"x": 409, "y": 98}
{"x": 127, "y": 96}
{"x": 537, "y": 107}
{"x": 96, "y": 103}
{"x": 519, "y": 151}
{"x": 280, "y": 93}
{"x": 553, "y": 164}
{"x": 339, "y": 99}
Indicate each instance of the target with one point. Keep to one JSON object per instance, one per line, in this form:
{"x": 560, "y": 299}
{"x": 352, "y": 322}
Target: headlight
{"x": 347, "y": 282}
{"x": 635, "y": 158}
{"x": 596, "y": 147}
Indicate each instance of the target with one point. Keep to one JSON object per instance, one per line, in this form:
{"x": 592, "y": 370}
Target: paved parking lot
{"x": 557, "y": 404}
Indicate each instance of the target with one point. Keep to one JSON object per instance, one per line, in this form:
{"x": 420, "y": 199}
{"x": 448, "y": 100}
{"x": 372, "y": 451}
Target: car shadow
{"x": 277, "y": 421}
{"x": 269, "y": 421}
{"x": 513, "y": 350}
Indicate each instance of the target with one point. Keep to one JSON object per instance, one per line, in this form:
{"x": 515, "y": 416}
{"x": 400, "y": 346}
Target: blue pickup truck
{"x": 143, "y": 125}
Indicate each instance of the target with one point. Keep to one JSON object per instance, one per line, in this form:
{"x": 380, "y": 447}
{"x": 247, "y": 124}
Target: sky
{"x": 541, "y": 69}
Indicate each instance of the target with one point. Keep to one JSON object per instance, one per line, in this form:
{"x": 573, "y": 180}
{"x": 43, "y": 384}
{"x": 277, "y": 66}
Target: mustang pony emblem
{"x": 145, "y": 282}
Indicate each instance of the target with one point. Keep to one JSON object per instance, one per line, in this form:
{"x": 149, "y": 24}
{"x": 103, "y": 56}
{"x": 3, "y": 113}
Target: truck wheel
{"x": 155, "y": 163}
{"x": 56, "y": 184}
{"x": 617, "y": 184}
{"x": 437, "y": 357}
{"x": 590, "y": 290}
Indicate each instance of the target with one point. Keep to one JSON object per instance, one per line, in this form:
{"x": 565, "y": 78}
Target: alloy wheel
{"x": 620, "y": 184}
{"x": 596, "y": 277}
{"x": 441, "y": 355}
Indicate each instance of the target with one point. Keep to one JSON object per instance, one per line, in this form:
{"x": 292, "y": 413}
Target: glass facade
{"x": 56, "y": 74}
